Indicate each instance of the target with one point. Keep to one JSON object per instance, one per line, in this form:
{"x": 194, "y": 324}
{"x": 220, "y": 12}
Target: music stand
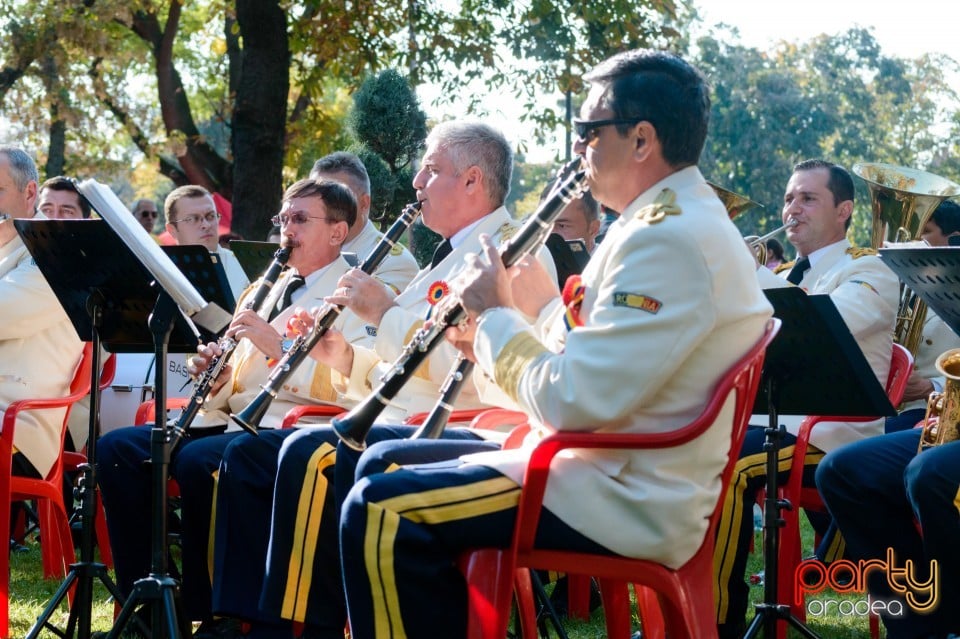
{"x": 933, "y": 274}
{"x": 254, "y": 257}
{"x": 813, "y": 366}
{"x": 103, "y": 288}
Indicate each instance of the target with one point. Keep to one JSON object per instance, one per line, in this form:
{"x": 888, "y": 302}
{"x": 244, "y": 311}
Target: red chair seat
{"x": 683, "y": 593}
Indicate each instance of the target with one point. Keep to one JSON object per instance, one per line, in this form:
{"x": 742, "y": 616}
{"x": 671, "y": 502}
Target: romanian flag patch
{"x": 640, "y": 302}
{"x": 573, "y": 292}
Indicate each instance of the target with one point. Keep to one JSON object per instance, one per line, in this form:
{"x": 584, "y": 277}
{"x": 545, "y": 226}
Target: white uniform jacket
{"x": 309, "y": 384}
{"x": 412, "y": 309}
{"x": 866, "y": 294}
{"x": 39, "y": 352}
{"x": 937, "y": 338}
{"x": 668, "y": 307}
{"x": 398, "y": 268}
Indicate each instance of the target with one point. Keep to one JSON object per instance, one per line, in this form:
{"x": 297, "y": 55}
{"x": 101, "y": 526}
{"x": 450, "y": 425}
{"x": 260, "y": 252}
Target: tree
{"x": 201, "y": 62}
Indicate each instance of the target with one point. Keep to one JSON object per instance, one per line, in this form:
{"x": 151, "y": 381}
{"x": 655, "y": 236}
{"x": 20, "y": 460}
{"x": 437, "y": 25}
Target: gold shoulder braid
{"x": 783, "y": 267}
{"x": 664, "y": 205}
{"x": 858, "y": 252}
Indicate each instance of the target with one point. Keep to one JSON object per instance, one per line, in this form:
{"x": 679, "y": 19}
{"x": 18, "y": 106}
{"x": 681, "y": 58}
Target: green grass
{"x": 30, "y": 594}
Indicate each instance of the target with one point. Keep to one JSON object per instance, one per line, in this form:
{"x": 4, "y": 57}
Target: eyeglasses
{"x": 194, "y": 220}
{"x": 147, "y": 213}
{"x": 295, "y": 218}
{"x": 587, "y": 129}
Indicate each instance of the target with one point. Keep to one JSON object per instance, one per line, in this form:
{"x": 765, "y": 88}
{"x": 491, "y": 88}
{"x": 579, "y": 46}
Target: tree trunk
{"x": 259, "y": 116}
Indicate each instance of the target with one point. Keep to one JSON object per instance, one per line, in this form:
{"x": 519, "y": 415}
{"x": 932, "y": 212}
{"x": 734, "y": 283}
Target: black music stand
{"x": 103, "y": 288}
{"x": 813, "y": 366}
{"x": 254, "y": 257}
{"x": 933, "y": 274}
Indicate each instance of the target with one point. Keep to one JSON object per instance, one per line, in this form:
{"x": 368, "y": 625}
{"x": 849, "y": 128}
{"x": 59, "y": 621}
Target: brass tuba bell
{"x": 940, "y": 424}
{"x": 735, "y": 205}
{"x": 902, "y": 200}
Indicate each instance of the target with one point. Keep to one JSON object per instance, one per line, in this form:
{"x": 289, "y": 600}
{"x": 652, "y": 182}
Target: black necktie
{"x": 801, "y": 266}
{"x": 295, "y": 282}
{"x": 443, "y": 249}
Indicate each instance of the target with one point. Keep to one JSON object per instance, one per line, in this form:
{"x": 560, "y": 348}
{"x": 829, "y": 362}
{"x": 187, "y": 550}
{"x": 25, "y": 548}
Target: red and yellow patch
{"x": 438, "y": 290}
{"x": 641, "y": 302}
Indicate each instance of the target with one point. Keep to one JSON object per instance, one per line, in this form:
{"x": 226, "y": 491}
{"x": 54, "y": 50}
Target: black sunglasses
{"x": 585, "y": 129}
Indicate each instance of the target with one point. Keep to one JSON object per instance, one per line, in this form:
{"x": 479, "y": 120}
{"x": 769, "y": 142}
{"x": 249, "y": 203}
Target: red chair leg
{"x": 578, "y": 597}
{"x": 651, "y": 617}
{"x": 489, "y": 592}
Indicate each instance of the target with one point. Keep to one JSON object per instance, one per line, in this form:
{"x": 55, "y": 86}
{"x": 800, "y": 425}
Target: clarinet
{"x": 249, "y": 418}
{"x": 354, "y": 426}
{"x": 436, "y": 421}
{"x": 201, "y": 387}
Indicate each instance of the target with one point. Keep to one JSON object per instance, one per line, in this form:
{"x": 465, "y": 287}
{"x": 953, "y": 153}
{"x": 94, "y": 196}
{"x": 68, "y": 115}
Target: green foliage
{"x": 388, "y": 119}
{"x": 835, "y": 97}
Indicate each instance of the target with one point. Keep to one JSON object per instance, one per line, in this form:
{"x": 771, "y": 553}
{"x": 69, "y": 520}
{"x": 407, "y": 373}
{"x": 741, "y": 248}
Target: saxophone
{"x": 941, "y": 424}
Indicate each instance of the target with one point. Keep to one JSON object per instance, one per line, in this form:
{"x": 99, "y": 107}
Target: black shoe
{"x": 732, "y": 630}
{"x": 223, "y": 628}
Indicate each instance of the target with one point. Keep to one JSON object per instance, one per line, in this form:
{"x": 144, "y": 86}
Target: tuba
{"x": 902, "y": 200}
{"x": 941, "y": 424}
{"x": 737, "y": 204}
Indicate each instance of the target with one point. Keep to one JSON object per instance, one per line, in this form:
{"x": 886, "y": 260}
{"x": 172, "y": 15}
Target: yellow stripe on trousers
{"x": 730, "y": 516}
{"x": 306, "y": 531}
{"x": 435, "y": 506}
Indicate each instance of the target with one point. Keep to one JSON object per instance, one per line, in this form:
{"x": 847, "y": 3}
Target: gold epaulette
{"x": 507, "y": 230}
{"x": 246, "y": 291}
{"x": 784, "y": 267}
{"x": 859, "y": 251}
{"x": 664, "y": 205}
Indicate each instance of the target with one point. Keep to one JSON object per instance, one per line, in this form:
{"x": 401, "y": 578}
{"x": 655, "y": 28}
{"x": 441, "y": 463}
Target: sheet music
{"x": 111, "y": 209}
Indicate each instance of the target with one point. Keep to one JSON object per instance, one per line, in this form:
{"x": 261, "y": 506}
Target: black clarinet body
{"x": 201, "y": 388}
{"x": 251, "y": 415}
{"x": 354, "y": 426}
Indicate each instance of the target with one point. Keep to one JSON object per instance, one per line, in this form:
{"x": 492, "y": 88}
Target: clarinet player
{"x": 314, "y": 218}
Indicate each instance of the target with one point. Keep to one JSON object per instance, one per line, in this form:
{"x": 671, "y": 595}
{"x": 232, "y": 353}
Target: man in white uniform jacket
{"x": 39, "y": 349}
{"x": 669, "y": 302}
{"x": 819, "y": 196}
{"x": 315, "y": 217}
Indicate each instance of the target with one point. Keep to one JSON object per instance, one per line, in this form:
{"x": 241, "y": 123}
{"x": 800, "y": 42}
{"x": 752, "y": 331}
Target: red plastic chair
{"x": 901, "y": 364}
{"x": 683, "y": 593}
{"x": 57, "y": 546}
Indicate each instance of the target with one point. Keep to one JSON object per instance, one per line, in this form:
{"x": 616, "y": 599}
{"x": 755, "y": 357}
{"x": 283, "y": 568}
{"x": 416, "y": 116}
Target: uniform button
{"x": 929, "y": 342}
{"x": 285, "y": 387}
{"x": 240, "y": 389}
{"x": 294, "y": 390}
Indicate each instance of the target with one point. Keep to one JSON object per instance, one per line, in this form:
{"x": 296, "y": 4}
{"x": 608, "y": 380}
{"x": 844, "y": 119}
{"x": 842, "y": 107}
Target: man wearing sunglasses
{"x": 146, "y": 212}
{"x": 668, "y": 302}
{"x": 314, "y": 218}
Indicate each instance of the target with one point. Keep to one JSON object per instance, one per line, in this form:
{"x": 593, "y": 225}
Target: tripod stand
{"x": 158, "y": 589}
{"x": 84, "y": 572}
{"x": 813, "y": 366}
{"x": 107, "y": 292}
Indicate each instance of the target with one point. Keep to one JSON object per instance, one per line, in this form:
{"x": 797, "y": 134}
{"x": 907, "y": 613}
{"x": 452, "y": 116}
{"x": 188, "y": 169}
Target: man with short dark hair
{"x": 315, "y": 217}
{"x": 59, "y": 199}
{"x": 668, "y": 302}
{"x": 819, "y": 198}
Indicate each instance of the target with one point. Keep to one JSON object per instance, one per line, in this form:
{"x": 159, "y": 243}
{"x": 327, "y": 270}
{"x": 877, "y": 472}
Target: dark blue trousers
{"x": 877, "y": 490}
{"x": 302, "y": 581}
{"x": 242, "y": 527}
{"x": 125, "y": 480}
{"x": 401, "y": 533}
